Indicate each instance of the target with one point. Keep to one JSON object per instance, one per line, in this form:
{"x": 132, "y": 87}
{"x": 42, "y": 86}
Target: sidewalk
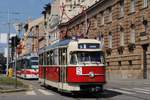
{"x": 128, "y": 82}
{"x": 8, "y": 85}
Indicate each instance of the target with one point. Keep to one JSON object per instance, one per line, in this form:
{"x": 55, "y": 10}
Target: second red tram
{"x": 73, "y": 65}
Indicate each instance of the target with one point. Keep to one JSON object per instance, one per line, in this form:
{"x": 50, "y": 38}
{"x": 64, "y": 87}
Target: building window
{"x": 95, "y": 22}
{"x": 132, "y": 35}
{"x": 82, "y": 0}
{"x": 121, "y": 8}
{"x": 110, "y": 14}
{"x": 130, "y": 62}
{"x": 119, "y": 63}
{"x": 102, "y": 18}
{"x": 68, "y": 0}
{"x": 122, "y": 37}
{"x": 101, "y": 39}
{"x": 108, "y": 64}
{"x": 145, "y": 3}
{"x": 145, "y": 23}
{"x": 110, "y": 40}
{"x": 132, "y": 5}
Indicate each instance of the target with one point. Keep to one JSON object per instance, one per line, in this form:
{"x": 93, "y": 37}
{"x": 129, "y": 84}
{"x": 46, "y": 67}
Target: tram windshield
{"x": 83, "y": 57}
{"x": 90, "y": 57}
{"x": 34, "y": 63}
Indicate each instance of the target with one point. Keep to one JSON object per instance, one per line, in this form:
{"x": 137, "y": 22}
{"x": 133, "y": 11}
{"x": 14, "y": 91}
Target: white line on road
{"x": 126, "y": 89}
{"x": 121, "y": 91}
{"x": 30, "y": 93}
{"x": 147, "y": 90}
{"x": 45, "y": 92}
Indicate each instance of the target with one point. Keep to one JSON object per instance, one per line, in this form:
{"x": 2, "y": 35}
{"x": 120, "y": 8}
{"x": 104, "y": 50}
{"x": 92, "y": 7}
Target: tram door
{"x": 63, "y": 63}
{"x": 44, "y": 68}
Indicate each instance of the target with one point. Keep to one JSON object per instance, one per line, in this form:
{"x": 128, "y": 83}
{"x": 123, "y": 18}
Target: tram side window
{"x": 55, "y": 56}
{"x": 44, "y": 59}
{"x": 51, "y": 58}
{"x": 47, "y": 58}
{"x": 63, "y": 56}
{"x": 73, "y": 59}
{"x": 40, "y": 59}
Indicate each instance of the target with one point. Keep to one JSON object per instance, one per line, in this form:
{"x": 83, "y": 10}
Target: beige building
{"x": 71, "y": 8}
{"x": 123, "y": 26}
{"x": 61, "y": 11}
{"x": 34, "y": 36}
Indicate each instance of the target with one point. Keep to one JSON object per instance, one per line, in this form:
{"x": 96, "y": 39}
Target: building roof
{"x": 82, "y": 13}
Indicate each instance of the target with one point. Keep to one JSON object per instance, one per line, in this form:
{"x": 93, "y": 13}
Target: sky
{"x": 25, "y": 9}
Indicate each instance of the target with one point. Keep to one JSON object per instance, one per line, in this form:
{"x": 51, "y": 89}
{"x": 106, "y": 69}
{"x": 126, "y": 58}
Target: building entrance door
{"x": 145, "y": 72}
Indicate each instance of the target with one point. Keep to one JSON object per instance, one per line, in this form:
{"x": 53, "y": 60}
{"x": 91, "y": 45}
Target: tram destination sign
{"x": 89, "y": 46}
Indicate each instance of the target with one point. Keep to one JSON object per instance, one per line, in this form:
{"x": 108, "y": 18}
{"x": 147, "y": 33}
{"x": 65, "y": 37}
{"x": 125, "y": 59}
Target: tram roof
{"x": 55, "y": 45}
{"x": 65, "y": 42}
{"x": 58, "y": 44}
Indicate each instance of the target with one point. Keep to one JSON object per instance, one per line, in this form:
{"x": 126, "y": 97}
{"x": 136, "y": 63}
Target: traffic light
{"x": 12, "y": 42}
{"x": 15, "y": 41}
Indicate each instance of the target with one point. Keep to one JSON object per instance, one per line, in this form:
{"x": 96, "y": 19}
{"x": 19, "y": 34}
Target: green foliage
{"x": 9, "y": 81}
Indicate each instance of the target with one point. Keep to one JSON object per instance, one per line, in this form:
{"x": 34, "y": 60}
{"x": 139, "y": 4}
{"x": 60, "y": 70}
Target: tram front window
{"x": 34, "y": 65}
{"x": 90, "y": 57}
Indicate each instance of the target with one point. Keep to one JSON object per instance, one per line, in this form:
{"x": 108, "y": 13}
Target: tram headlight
{"x": 91, "y": 74}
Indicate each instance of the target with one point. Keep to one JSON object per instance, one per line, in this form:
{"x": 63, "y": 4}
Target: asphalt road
{"x": 112, "y": 92}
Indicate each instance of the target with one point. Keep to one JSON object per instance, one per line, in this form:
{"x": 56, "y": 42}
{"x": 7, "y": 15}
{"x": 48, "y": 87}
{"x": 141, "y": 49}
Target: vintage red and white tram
{"x": 73, "y": 65}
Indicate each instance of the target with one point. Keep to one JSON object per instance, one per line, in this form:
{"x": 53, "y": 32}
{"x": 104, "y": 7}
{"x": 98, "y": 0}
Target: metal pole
{"x": 8, "y": 43}
{"x": 15, "y": 68}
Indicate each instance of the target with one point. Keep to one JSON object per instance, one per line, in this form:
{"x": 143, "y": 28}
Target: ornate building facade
{"x": 34, "y": 36}
{"x": 123, "y": 26}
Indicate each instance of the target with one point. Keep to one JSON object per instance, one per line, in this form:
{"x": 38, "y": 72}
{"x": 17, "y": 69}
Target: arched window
{"x": 132, "y": 34}
{"x": 145, "y": 3}
{"x": 110, "y": 39}
{"x": 133, "y": 5}
{"x": 101, "y": 38}
{"x": 122, "y": 37}
{"x": 102, "y": 18}
{"x": 121, "y": 8}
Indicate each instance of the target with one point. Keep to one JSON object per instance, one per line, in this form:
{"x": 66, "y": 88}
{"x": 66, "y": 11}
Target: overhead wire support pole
{"x": 8, "y": 42}
{"x": 8, "y": 37}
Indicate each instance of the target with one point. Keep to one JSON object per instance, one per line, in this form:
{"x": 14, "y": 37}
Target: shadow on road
{"x": 104, "y": 94}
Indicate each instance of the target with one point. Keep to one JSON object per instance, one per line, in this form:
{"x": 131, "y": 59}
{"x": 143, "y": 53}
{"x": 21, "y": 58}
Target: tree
{"x": 2, "y": 62}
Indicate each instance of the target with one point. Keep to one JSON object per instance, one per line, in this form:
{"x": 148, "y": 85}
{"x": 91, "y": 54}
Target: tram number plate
{"x": 79, "y": 70}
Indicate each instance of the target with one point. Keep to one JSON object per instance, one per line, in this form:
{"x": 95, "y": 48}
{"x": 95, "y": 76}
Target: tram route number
{"x": 78, "y": 70}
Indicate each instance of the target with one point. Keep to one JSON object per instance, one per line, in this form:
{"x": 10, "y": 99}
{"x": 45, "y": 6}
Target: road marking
{"x": 45, "y": 92}
{"x": 142, "y": 89}
{"x": 139, "y": 90}
{"x": 142, "y": 92}
{"x": 30, "y": 93}
{"x": 121, "y": 91}
{"x": 147, "y": 88}
{"x": 126, "y": 89}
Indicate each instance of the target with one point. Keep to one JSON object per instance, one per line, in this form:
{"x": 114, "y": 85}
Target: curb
{"x": 13, "y": 90}
{"x": 17, "y": 90}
